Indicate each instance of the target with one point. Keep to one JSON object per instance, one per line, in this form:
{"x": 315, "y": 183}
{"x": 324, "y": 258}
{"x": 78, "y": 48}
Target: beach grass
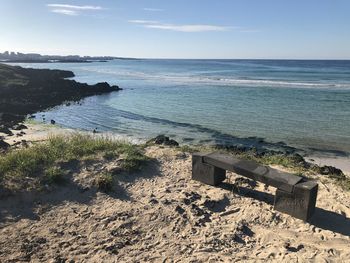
{"x": 104, "y": 182}
{"x": 41, "y": 161}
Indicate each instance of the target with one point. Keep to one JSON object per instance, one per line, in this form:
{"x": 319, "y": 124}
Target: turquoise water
{"x": 304, "y": 104}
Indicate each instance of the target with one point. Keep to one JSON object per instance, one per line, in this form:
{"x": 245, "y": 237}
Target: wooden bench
{"x": 295, "y": 195}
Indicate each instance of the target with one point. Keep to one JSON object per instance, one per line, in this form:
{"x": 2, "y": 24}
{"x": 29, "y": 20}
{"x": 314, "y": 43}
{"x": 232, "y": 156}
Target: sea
{"x": 290, "y": 104}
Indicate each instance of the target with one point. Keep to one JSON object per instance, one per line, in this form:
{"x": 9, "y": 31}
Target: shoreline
{"x": 37, "y": 132}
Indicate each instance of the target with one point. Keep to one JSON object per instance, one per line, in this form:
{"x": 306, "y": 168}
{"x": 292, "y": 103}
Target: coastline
{"x": 12, "y": 112}
{"x": 38, "y": 132}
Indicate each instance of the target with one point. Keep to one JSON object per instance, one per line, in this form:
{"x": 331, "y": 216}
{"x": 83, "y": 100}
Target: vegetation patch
{"x": 54, "y": 175}
{"x": 40, "y": 163}
{"x": 104, "y": 182}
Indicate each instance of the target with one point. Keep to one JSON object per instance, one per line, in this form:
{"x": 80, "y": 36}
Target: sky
{"x": 227, "y": 29}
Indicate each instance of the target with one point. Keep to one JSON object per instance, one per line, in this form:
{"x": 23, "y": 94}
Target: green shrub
{"x": 54, "y": 175}
{"x": 133, "y": 159}
{"x": 110, "y": 155}
{"x": 188, "y": 149}
{"x": 104, "y": 182}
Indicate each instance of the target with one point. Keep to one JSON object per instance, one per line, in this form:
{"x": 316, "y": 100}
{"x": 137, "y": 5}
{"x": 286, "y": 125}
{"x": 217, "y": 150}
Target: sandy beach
{"x": 160, "y": 215}
{"x": 174, "y": 131}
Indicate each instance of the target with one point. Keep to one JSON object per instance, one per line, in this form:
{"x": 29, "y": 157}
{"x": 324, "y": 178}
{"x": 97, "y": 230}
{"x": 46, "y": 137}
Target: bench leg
{"x": 206, "y": 173}
{"x": 301, "y": 203}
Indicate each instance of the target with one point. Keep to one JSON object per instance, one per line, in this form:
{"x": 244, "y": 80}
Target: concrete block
{"x": 300, "y": 203}
{"x": 206, "y": 173}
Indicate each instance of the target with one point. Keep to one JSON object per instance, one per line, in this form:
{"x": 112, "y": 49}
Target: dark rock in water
{"x": 171, "y": 143}
{"x": 165, "y": 140}
{"x": 4, "y": 145}
{"x": 6, "y": 130}
{"x": 161, "y": 139}
{"x": 331, "y": 170}
{"x": 53, "y": 122}
{"x": 106, "y": 86}
{"x": 18, "y": 127}
{"x": 297, "y": 158}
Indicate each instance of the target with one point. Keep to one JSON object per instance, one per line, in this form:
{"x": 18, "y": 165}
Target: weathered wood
{"x": 253, "y": 170}
{"x": 301, "y": 203}
{"x": 206, "y": 173}
{"x": 295, "y": 195}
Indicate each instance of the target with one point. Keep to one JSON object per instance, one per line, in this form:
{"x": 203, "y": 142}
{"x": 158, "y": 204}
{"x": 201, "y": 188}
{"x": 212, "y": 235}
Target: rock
{"x": 331, "y": 170}
{"x": 161, "y": 139}
{"x": 165, "y": 140}
{"x": 297, "y": 158}
{"x": 18, "y": 127}
{"x": 171, "y": 143}
{"x": 106, "y": 86}
{"x": 53, "y": 122}
{"x": 4, "y": 145}
{"x": 6, "y": 130}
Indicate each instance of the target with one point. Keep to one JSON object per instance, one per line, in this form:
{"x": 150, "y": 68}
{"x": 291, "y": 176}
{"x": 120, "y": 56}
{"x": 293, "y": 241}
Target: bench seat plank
{"x": 253, "y": 170}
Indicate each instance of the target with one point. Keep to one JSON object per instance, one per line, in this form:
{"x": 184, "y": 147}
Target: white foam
{"x": 214, "y": 80}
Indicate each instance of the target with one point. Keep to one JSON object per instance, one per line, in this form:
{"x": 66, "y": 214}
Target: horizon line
{"x": 181, "y": 58}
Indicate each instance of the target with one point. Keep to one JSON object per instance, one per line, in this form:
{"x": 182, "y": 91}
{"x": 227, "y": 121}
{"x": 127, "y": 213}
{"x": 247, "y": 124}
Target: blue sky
{"x": 301, "y": 29}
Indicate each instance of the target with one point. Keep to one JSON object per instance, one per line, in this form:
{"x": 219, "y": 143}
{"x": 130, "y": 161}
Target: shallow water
{"x": 305, "y": 104}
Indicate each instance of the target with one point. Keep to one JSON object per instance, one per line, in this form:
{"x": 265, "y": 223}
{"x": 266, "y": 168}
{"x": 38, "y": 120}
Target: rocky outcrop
{"x": 26, "y": 91}
{"x": 3, "y": 145}
{"x": 330, "y": 170}
{"x": 164, "y": 140}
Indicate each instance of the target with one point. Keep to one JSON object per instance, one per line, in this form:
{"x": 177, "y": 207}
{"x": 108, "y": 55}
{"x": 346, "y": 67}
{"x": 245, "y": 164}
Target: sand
{"x": 160, "y": 215}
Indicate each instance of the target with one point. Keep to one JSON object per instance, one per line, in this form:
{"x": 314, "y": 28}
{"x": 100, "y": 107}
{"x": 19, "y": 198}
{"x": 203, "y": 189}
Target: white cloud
{"x": 153, "y": 9}
{"x": 188, "y": 28}
{"x": 143, "y": 21}
{"x": 179, "y": 28}
{"x": 75, "y": 7}
{"x": 65, "y": 12}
